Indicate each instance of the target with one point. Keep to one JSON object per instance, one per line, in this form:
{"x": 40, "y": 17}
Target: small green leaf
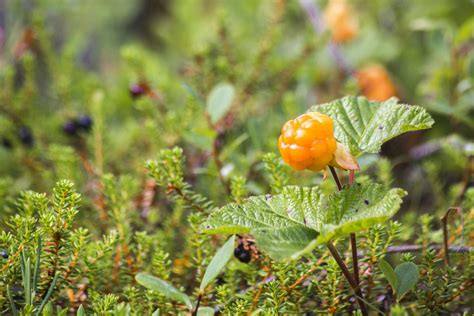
{"x": 407, "y": 276}
{"x": 156, "y": 284}
{"x": 205, "y": 311}
{"x": 80, "y": 311}
{"x": 297, "y": 220}
{"x": 218, "y": 262}
{"x": 389, "y": 273}
{"x": 363, "y": 125}
{"x": 156, "y": 312}
{"x": 219, "y": 101}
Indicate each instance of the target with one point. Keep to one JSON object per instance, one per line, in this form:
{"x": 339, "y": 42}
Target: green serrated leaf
{"x": 294, "y": 222}
{"x": 407, "y": 277}
{"x": 363, "y": 126}
{"x": 357, "y": 208}
{"x": 218, "y": 262}
{"x": 290, "y": 242}
{"x": 219, "y": 101}
{"x": 156, "y": 284}
{"x": 389, "y": 273}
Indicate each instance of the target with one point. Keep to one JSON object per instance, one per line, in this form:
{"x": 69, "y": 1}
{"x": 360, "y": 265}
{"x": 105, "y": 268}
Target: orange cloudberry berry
{"x": 375, "y": 83}
{"x": 341, "y": 20}
{"x": 308, "y": 142}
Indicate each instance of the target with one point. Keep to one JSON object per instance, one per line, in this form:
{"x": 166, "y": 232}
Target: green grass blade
{"x": 37, "y": 265}
{"x": 48, "y": 294}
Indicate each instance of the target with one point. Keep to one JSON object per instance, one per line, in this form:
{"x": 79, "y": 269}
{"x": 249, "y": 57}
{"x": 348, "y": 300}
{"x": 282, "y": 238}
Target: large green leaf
{"x": 364, "y": 125}
{"x": 295, "y": 221}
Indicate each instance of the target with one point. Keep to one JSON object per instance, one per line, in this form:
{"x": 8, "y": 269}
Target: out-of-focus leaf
{"x": 219, "y": 101}
{"x": 205, "y": 311}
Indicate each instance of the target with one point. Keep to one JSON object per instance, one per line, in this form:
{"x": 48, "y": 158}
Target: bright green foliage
{"x": 167, "y": 171}
{"x": 363, "y": 125}
{"x": 294, "y": 222}
{"x": 83, "y": 60}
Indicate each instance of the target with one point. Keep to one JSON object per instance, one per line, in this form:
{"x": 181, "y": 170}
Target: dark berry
{"x": 136, "y": 90}
{"x": 26, "y": 136}
{"x": 4, "y": 254}
{"x": 70, "y": 127}
{"x": 242, "y": 254}
{"x": 84, "y": 122}
{"x": 7, "y": 143}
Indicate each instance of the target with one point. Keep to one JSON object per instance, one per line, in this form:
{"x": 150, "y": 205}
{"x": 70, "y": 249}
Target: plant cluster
{"x": 166, "y": 192}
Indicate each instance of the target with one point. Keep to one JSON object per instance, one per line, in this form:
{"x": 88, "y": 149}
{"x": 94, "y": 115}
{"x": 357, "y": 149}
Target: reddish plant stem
{"x": 355, "y": 261}
{"x": 444, "y": 222}
{"x": 349, "y": 278}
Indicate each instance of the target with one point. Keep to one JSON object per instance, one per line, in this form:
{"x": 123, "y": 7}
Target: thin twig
{"x": 306, "y": 275}
{"x": 444, "y": 222}
{"x": 417, "y": 248}
{"x": 257, "y": 295}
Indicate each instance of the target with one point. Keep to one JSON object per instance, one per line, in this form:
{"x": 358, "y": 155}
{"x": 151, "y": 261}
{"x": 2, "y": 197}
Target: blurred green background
{"x": 65, "y": 59}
